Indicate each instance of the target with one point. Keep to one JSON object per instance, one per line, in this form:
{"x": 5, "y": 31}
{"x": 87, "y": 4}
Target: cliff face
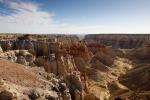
{"x": 55, "y": 55}
{"x": 119, "y": 40}
{"x": 60, "y": 55}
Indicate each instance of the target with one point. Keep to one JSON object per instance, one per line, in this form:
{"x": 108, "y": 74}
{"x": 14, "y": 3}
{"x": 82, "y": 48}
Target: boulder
{"x": 21, "y": 60}
{"x": 7, "y": 92}
{"x": 23, "y": 53}
{"x": 29, "y": 58}
{"x": 39, "y": 61}
{"x": 52, "y": 95}
{"x": 6, "y": 95}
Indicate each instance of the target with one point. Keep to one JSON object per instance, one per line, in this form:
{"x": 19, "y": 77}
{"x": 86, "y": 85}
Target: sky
{"x": 75, "y": 16}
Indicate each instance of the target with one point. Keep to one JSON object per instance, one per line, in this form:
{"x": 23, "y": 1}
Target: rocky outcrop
{"x": 7, "y": 92}
{"x": 35, "y": 86}
{"x": 19, "y": 56}
{"x": 60, "y": 65}
{"x": 75, "y": 85}
{"x": 1, "y": 50}
{"x": 6, "y": 45}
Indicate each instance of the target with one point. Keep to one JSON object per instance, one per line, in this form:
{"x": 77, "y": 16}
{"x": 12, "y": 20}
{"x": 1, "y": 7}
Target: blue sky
{"x": 75, "y": 16}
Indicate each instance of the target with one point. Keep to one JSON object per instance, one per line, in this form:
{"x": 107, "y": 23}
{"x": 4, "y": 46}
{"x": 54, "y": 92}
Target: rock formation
{"x": 61, "y": 67}
{"x": 1, "y": 50}
{"x": 13, "y": 84}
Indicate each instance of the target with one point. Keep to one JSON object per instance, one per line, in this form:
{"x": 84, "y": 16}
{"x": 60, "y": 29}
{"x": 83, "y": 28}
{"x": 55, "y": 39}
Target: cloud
{"x": 27, "y": 17}
{"x": 23, "y": 6}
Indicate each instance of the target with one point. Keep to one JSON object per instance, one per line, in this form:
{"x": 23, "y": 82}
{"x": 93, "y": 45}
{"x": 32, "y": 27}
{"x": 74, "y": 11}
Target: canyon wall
{"x": 119, "y": 40}
{"x": 90, "y": 68}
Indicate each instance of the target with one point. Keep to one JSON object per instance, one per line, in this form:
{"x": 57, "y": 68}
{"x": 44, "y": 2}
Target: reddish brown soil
{"x": 20, "y": 75}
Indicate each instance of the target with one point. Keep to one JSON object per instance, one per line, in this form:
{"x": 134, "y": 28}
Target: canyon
{"x": 65, "y": 67}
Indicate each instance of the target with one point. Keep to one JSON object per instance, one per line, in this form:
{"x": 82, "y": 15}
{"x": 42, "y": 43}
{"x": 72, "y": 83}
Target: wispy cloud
{"x": 29, "y": 18}
{"x": 23, "y": 6}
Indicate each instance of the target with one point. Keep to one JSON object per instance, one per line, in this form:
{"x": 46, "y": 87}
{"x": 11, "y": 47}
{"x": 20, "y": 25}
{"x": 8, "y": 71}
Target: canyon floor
{"x": 65, "y": 67}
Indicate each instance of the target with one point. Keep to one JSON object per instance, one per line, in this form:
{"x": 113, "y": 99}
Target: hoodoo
{"x": 64, "y": 67}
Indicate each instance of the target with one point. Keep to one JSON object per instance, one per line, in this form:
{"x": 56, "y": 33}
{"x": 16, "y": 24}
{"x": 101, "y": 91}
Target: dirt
{"x": 20, "y": 75}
